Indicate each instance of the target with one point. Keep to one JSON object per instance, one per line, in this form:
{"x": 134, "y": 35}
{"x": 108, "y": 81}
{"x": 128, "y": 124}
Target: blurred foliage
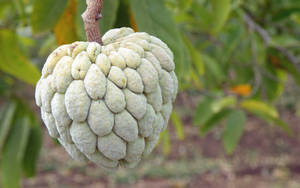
{"x": 236, "y": 54}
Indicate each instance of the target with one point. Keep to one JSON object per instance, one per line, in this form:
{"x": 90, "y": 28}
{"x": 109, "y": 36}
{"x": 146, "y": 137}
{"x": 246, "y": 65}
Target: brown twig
{"x": 267, "y": 39}
{"x": 90, "y": 17}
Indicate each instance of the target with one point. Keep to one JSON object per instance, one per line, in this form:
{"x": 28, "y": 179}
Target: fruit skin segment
{"x": 108, "y": 104}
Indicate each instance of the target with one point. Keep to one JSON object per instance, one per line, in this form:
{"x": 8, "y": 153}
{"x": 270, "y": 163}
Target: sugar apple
{"x": 108, "y": 104}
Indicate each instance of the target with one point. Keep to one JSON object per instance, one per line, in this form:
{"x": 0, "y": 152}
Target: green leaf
{"x": 220, "y": 12}
{"x": 233, "y": 130}
{"x": 285, "y": 13}
{"x": 13, "y": 61}
{"x": 166, "y": 142}
{"x": 6, "y": 122}
{"x": 195, "y": 56}
{"x": 213, "y": 121}
{"x": 214, "y": 70}
{"x": 285, "y": 41}
{"x": 259, "y": 107}
{"x": 265, "y": 112}
{"x": 32, "y": 150}
{"x": 46, "y": 14}
{"x": 81, "y": 6}
{"x": 13, "y": 152}
{"x": 274, "y": 87}
{"x": 203, "y": 111}
{"x": 202, "y": 16}
{"x": 178, "y": 125}
{"x": 109, "y": 15}
{"x": 228, "y": 101}
{"x": 153, "y": 17}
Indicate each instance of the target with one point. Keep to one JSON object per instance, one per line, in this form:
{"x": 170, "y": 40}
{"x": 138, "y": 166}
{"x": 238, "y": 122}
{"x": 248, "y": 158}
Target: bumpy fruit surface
{"x": 108, "y": 104}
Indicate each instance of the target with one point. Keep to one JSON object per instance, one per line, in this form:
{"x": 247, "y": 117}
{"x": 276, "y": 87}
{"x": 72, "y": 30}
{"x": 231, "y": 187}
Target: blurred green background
{"x": 235, "y": 122}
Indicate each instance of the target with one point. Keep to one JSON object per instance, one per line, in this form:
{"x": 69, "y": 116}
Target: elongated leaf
{"x": 228, "y": 101}
{"x": 153, "y": 17}
{"x": 274, "y": 88}
{"x": 32, "y": 150}
{"x": 203, "y": 111}
{"x": 265, "y": 112}
{"x": 220, "y": 12}
{"x": 65, "y": 29}
{"x": 259, "y": 107}
{"x": 6, "y": 122}
{"x": 13, "y": 61}
{"x": 178, "y": 125}
{"x": 109, "y": 14}
{"x": 233, "y": 130}
{"x": 213, "y": 69}
{"x": 166, "y": 142}
{"x": 13, "y": 152}
{"x": 46, "y": 14}
{"x": 195, "y": 56}
{"x": 214, "y": 121}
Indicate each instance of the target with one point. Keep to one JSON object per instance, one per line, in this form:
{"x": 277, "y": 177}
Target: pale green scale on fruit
{"x": 108, "y": 104}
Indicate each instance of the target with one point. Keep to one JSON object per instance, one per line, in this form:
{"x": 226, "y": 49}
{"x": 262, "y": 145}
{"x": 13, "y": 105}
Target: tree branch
{"x": 90, "y": 17}
{"x": 267, "y": 39}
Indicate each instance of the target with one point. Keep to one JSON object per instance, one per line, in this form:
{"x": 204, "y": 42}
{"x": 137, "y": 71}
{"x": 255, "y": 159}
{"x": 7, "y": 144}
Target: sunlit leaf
{"x": 46, "y": 14}
{"x": 233, "y": 130}
{"x": 220, "y": 12}
{"x": 65, "y": 29}
{"x": 165, "y": 139}
{"x": 265, "y": 112}
{"x": 259, "y": 107}
{"x": 179, "y": 129}
{"x": 228, "y": 101}
{"x": 13, "y": 61}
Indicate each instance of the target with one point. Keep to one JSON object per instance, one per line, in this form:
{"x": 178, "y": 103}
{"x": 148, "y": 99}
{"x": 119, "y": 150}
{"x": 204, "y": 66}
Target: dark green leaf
{"x": 213, "y": 69}
{"x": 285, "y": 13}
{"x": 46, "y": 14}
{"x": 203, "y": 111}
{"x": 109, "y": 15}
{"x": 153, "y": 17}
{"x": 6, "y": 122}
{"x": 13, "y": 152}
{"x": 32, "y": 150}
{"x": 233, "y": 130}
{"x": 214, "y": 121}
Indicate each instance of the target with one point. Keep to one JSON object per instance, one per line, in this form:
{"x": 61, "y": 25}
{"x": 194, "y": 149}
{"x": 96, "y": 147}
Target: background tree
{"x": 235, "y": 56}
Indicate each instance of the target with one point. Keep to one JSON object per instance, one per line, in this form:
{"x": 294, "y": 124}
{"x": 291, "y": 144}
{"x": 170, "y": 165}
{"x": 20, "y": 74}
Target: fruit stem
{"x": 90, "y": 17}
